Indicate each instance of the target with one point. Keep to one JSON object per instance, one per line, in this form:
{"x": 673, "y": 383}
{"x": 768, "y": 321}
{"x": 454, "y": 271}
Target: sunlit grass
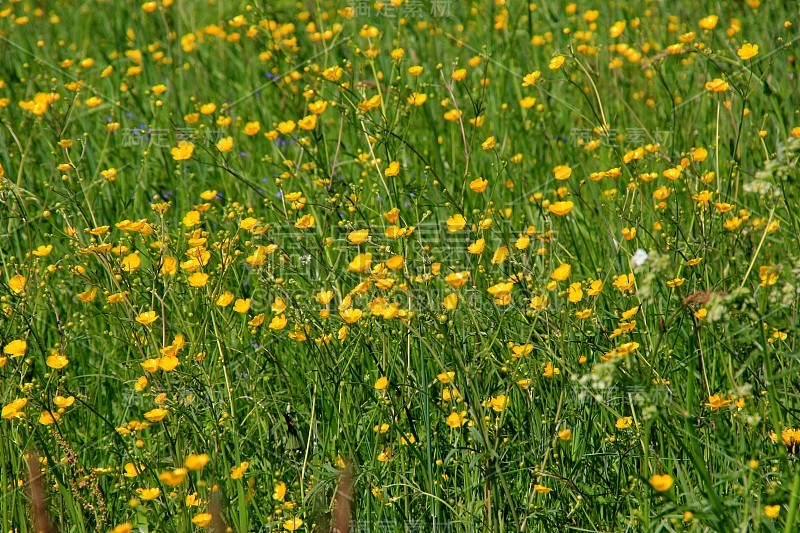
{"x": 516, "y": 266}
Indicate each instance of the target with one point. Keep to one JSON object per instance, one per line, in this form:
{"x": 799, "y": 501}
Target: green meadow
{"x": 400, "y": 265}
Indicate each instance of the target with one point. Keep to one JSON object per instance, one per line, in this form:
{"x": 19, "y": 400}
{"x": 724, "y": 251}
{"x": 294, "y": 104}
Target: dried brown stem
{"x": 38, "y": 506}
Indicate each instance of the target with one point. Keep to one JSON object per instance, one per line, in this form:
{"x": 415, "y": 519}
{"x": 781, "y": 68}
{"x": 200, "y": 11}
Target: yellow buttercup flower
{"x": 351, "y": 316}
{"x": 202, "y": 519}
{"x": 562, "y": 172}
{"x": 57, "y": 361}
{"x": 332, "y": 73}
{"x": 252, "y": 128}
{"x": 14, "y": 409}
{"x": 661, "y": 482}
{"x": 456, "y": 222}
{"x": 242, "y": 305}
{"x": 183, "y": 151}
{"x": 717, "y": 402}
{"x": 575, "y": 292}
{"x": 457, "y": 279}
{"x": 147, "y": 318}
{"x": 370, "y": 103}
{"x": 317, "y": 107}
{"x": 556, "y": 62}
{"x": 625, "y": 282}
{"x": 308, "y": 122}
{"x": 531, "y": 79}
{"x": 305, "y": 222}
{"x": 46, "y": 418}
{"x": 278, "y": 323}
{"x": 16, "y": 348}
{"x": 191, "y": 218}
{"x": 293, "y": 524}
{"x": 478, "y": 185}
{"x": 747, "y": 51}
{"x": 17, "y": 283}
{"x": 238, "y": 471}
{"x": 623, "y": 422}
{"x": 709, "y": 22}
{"x": 392, "y": 170}
{"x": 417, "y": 99}
{"x": 522, "y": 350}
{"x": 499, "y": 403}
{"x": 149, "y": 494}
{"x": 225, "y": 299}
{"x": 360, "y": 263}
{"x": 717, "y": 85}
{"x": 225, "y": 144}
{"x": 395, "y": 262}
{"x": 196, "y": 462}
{"x": 562, "y": 272}
{"x": 617, "y": 28}
{"x": 174, "y": 477}
{"x": 43, "y": 250}
{"x": 477, "y": 247}
{"x": 279, "y": 491}
{"x": 358, "y": 236}
{"x": 456, "y": 420}
{"x": 560, "y": 208}
{"x": 450, "y": 301}
{"x": 156, "y": 415}
{"x": 198, "y": 279}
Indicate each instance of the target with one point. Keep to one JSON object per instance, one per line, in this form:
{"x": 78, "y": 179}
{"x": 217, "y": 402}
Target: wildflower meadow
{"x": 399, "y": 266}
